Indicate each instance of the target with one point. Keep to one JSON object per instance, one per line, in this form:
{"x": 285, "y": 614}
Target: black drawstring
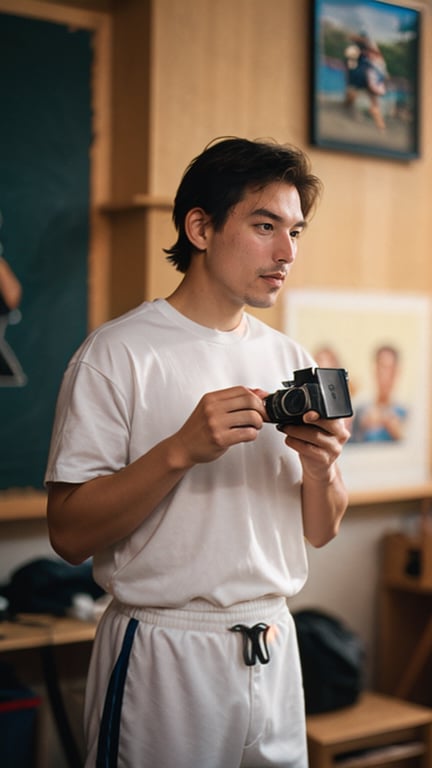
{"x": 254, "y": 643}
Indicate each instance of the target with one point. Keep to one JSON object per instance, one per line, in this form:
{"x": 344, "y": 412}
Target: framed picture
{"x": 365, "y": 77}
{"x": 383, "y": 341}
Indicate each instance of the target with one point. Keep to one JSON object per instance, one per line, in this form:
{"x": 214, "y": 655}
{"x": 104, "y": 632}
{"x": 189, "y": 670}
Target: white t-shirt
{"x": 231, "y": 530}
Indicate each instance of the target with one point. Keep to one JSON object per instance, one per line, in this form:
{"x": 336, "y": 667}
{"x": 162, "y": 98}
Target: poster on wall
{"x": 383, "y": 341}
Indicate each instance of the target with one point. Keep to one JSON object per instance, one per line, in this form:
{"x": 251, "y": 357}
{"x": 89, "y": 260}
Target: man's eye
{"x": 266, "y": 226}
{"x": 295, "y": 233}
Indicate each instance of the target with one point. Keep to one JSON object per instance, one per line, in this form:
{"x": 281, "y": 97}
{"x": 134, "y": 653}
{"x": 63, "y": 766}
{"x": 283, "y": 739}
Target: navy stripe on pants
{"x": 110, "y": 724}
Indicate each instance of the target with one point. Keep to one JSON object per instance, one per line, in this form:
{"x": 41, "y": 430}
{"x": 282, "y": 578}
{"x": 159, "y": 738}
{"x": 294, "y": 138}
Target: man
{"x": 163, "y": 468}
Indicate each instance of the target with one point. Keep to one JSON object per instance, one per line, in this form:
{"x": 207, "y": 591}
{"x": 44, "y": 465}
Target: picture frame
{"x": 365, "y": 79}
{"x": 352, "y": 327}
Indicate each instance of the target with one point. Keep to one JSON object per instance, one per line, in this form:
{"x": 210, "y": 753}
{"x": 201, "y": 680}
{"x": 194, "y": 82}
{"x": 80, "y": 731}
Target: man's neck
{"x": 204, "y": 308}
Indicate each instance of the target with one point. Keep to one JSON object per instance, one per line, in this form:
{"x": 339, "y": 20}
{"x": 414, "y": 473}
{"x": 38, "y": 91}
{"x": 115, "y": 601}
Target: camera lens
{"x": 293, "y": 402}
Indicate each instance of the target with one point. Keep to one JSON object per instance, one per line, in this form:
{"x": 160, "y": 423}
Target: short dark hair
{"x": 217, "y": 179}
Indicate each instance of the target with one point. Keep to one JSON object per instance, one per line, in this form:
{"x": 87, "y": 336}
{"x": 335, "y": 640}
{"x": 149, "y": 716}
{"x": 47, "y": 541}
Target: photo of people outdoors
{"x": 365, "y": 77}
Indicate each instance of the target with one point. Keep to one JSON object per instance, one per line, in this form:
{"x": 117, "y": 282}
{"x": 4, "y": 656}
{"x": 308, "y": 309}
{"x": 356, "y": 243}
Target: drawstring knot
{"x": 254, "y": 643}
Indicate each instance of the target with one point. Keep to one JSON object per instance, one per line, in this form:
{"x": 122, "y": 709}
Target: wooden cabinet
{"x": 405, "y": 618}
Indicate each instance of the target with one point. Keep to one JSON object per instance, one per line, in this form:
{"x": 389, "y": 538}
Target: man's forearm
{"x": 86, "y": 518}
{"x": 324, "y": 505}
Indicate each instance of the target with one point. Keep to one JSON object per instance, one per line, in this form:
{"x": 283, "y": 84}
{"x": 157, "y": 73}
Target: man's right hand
{"x": 221, "y": 419}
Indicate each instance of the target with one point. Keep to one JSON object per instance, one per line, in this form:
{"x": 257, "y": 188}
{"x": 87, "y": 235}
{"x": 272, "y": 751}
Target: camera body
{"x": 324, "y": 390}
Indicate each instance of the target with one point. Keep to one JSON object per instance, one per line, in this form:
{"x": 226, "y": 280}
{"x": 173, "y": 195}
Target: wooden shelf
{"x": 372, "y": 758}
{"x": 389, "y": 495}
{"x": 410, "y": 588}
{"x": 26, "y": 504}
{"x": 39, "y": 630}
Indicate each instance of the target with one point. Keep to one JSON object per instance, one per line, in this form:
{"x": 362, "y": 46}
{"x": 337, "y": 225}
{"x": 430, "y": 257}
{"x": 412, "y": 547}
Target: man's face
{"x": 386, "y": 371}
{"x": 248, "y": 260}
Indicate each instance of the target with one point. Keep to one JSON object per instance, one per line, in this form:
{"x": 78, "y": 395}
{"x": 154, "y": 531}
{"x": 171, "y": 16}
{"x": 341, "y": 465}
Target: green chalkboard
{"x": 45, "y": 138}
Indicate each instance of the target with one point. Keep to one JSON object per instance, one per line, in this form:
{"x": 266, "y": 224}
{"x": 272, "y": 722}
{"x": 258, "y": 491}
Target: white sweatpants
{"x": 172, "y": 689}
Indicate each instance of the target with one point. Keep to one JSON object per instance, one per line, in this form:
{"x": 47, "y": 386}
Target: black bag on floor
{"x": 332, "y": 660}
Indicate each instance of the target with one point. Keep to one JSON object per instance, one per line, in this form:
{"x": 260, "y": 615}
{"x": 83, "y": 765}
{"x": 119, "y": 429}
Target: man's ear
{"x": 197, "y": 223}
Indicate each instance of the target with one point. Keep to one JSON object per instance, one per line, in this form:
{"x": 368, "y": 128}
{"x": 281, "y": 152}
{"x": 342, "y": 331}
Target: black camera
{"x": 324, "y": 390}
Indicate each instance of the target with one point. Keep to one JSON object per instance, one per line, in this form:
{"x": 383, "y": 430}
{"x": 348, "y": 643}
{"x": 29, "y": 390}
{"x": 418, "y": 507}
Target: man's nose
{"x": 286, "y": 250}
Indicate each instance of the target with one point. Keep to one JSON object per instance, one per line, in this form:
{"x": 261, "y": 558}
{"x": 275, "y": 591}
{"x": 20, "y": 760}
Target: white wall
{"x": 20, "y": 542}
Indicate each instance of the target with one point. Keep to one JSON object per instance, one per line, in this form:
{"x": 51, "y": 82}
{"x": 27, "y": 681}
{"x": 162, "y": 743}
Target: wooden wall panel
{"x": 224, "y": 68}
{"x": 131, "y": 34}
{"x": 162, "y": 277}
